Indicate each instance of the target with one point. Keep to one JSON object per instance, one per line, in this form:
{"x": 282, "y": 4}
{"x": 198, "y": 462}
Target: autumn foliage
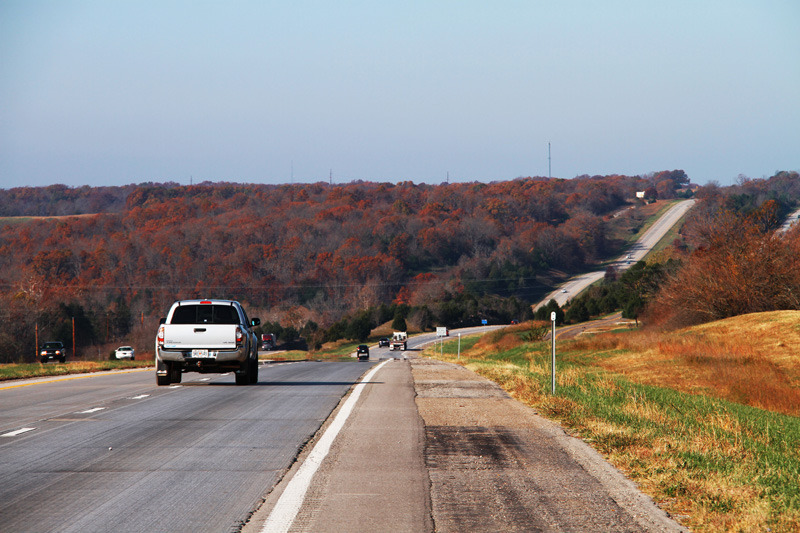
{"x": 293, "y": 254}
{"x": 739, "y": 263}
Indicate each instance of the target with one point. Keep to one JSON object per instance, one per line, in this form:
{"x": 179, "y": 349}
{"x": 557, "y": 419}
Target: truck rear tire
{"x": 243, "y": 376}
{"x": 254, "y": 372}
{"x": 175, "y": 373}
{"x": 162, "y": 380}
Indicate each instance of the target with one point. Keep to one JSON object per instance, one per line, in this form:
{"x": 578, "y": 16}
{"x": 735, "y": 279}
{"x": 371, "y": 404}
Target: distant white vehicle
{"x": 124, "y": 352}
{"x": 563, "y": 290}
{"x": 399, "y": 341}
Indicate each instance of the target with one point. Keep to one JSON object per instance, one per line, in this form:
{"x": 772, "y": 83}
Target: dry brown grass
{"x": 749, "y": 359}
{"x": 715, "y": 466}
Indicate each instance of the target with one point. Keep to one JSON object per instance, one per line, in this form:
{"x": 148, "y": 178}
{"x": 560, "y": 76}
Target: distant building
{"x": 640, "y": 194}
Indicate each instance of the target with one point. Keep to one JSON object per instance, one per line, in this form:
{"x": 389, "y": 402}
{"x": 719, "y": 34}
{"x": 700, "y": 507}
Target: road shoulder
{"x": 495, "y": 465}
{"x": 374, "y": 478}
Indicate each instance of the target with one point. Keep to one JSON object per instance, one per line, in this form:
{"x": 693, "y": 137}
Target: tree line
{"x": 307, "y": 257}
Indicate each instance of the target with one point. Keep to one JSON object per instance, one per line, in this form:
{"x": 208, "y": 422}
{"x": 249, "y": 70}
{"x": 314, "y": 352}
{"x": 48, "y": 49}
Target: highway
{"x": 115, "y": 452}
{"x": 431, "y": 446}
{"x": 637, "y": 252}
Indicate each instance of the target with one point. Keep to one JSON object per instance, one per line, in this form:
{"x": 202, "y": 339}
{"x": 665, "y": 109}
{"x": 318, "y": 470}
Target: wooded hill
{"x": 295, "y": 253}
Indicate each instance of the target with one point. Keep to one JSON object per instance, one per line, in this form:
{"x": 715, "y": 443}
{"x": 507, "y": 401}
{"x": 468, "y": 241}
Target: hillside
{"x": 749, "y": 359}
{"x": 299, "y": 253}
{"x": 326, "y": 261}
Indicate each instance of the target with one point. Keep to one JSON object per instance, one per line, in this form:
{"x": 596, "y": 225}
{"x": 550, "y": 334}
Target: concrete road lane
{"x": 641, "y": 248}
{"x": 433, "y": 447}
{"x": 374, "y": 478}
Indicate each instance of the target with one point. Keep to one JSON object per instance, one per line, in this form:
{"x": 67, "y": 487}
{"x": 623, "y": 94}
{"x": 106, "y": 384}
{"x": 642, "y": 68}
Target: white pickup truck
{"x": 207, "y": 336}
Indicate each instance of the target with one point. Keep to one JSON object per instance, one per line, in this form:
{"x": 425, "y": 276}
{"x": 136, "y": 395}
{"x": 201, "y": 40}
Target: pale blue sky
{"x": 117, "y": 92}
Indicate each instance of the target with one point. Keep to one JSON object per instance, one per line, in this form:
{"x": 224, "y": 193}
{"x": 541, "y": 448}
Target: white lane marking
{"x": 93, "y": 410}
{"x": 17, "y": 432}
{"x": 175, "y": 387}
{"x": 288, "y": 505}
{"x": 204, "y": 379}
{"x": 141, "y": 396}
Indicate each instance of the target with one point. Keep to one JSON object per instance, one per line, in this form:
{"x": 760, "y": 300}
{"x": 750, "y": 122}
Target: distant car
{"x": 52, "y": 350}
{"x": 124, "y": 352}
{"x": 563, "y": 290}
{"x": 363, "y": 352}
{"x": 514, "y": 322}
{"x": 383, "y": 342}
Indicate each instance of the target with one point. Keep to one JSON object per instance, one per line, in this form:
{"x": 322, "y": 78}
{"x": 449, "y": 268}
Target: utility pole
{"x": 549, "y": 172}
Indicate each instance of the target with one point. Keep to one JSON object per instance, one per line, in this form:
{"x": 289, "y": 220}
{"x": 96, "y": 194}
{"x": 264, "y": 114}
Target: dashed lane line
{"x": 17, "y": 432}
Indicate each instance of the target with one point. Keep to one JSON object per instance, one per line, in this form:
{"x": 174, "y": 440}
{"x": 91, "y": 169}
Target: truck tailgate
{"x": 189, "y": 336}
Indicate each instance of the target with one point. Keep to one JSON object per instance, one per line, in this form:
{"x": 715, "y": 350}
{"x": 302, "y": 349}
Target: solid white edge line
{"x": 290, "y": 502}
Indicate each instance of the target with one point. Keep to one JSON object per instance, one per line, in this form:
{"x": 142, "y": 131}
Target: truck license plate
{"x": 199, "y": 353}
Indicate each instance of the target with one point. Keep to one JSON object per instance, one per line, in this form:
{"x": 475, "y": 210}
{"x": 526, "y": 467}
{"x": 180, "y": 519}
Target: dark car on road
{"x": 363, "y": 352}
{"x": 383, "y": 342}
{"x": 52, "y": 350}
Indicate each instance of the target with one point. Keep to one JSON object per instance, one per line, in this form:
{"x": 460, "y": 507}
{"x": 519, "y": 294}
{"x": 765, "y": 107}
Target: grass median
{"x": 705, "y": 420}
{"x": 32, "y": 370}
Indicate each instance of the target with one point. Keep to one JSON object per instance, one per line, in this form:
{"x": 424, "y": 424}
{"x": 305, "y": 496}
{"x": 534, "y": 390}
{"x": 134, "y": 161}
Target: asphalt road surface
{"x": 635, "y": 253}
{"x": 117, "y": 453}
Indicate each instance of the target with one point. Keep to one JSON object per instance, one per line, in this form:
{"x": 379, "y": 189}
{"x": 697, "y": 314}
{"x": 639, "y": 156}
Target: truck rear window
{"x": 205, "y": 314}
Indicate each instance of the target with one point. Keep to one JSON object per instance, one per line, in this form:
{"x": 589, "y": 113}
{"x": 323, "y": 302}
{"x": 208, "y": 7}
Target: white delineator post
{"x": 553, "y": 339}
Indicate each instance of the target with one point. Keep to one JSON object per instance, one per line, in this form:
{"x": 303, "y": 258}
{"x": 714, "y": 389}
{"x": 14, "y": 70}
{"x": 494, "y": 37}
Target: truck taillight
{"x": 160, "y": 337}
{"x": 239, "y": 335}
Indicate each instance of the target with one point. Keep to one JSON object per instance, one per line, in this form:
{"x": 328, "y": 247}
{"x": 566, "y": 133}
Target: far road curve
{"x": 641, "y": 248}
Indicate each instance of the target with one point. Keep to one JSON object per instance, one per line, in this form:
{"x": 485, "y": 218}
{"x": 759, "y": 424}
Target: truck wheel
{"x": 175, "y": 373}
{"x": 165, "y": 379}
{"x": 254, "y": 372}
{"x": 243, "y": 375}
